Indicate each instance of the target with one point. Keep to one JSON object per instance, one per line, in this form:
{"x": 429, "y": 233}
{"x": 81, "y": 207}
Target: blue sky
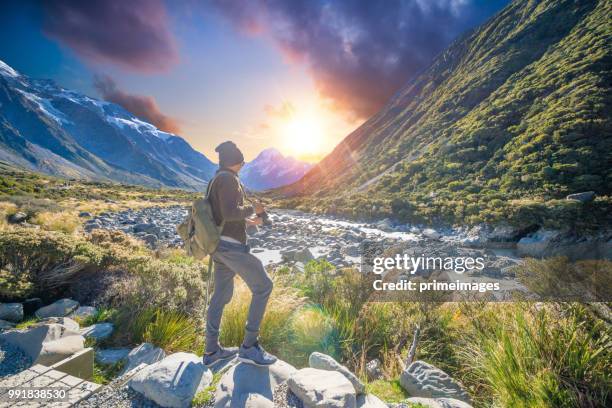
{"x": 295, "y": 75}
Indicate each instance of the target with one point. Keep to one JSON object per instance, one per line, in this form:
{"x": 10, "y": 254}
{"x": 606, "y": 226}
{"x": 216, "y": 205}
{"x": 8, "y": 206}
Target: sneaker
{"x": 222, "y": 353}
{"x": 255, "y": 355}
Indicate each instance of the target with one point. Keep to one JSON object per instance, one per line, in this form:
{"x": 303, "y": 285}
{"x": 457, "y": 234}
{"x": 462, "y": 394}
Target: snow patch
{"x": 45, "y": 106}
{"x": 140, "y": 126}
{"x": 7, "y": 70}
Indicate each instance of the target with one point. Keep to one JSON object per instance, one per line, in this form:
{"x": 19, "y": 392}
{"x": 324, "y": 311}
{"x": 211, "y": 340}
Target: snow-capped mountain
{"x": 46, "y": 128}
{"x": 270, "y": 169}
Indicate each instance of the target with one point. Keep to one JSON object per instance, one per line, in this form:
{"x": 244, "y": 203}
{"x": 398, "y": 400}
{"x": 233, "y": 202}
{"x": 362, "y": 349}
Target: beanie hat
{"x": 229, "y": 154}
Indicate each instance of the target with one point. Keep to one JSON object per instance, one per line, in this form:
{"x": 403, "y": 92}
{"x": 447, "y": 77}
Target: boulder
{"x": 64, "y": 321}
{"x": 150, "y": 239}
{"x": 173, "y": 381}
{"x": 322, "y": 388}
{"x": 84, "y": 214}
{"x": 536, "y": 244}
{"x": 45, "y": 344}
{"x": 98, "y": 331}
{"x": 385, "y": 225}
{"x": 256, "y": 401}
{"x": 303, "y": 255}
{"x": 370, "y": 401}
{"x": 18, "y": 218}
{"x": 374, "y": 370}
{"x": 111, "y": 356}
{"x": 84, "y": 312}
{"x": 431, "y": 233}
{"x": 324, "y": 362}
{"x": 4, "y": 325}
{"x": 60, "y": 308}
{"x": 13, "y": 312}
{"x": 584, "y": 197}
{"x": 439, "y": 402}
{"x": 242, "y": 380}
{"x": 421, "y": 379}
{"x": 146, "y": 353}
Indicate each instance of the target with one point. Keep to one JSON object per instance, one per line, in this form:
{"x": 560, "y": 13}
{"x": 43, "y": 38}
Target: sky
{"x": 296, "y": 75}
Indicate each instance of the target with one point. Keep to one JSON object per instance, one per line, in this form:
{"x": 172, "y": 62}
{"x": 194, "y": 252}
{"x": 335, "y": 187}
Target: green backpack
{"x": 199, "y": 231}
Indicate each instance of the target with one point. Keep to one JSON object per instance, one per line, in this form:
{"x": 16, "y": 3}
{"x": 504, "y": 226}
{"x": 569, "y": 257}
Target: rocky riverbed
{"x": 295, "y": 237}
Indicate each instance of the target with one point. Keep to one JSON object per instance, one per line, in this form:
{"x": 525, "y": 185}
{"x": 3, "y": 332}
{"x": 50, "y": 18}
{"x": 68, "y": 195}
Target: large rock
{"x": 370, "y": 401}
{"x": 374, "y": 370}
{"x": 18, "y": 218}
{"x": 12, "y": 312}
{"x": 303, "y": 255}
{"x": 439, "y": 402}
{"x": 45, "y": 343}
{"x": 98, "y": 331}
{"x": 324, "y": 362}
{"x": 4, "y": 325}
{"x": 584, "y": 197}
{"x": 173, "y": 381}
{"x": 111, "y": 356}
{"x": 60, "y": 308}
{"x": 256, "y": 401}
{"x": 146, "y": 353}
{"x": 431, "y": 233}
{"x": 322, "y": 388}
{"x": 421, "y": 379}
{"x": 64, "y": 321}
{"x": 84, "y": 312}
{"x": 242, "y": 380}
{"x": 536, "y": 244}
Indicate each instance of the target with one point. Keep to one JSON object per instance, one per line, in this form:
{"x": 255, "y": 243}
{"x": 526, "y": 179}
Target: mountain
{"x": 270, "y": 169}
{"x": 46, "y": 128}
{"x": 511, "y": 118}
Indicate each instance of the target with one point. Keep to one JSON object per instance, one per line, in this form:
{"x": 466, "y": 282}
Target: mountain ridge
{"x": 47, "y": 128}
{"x": 271, "y": 169}
{"x": 516, "y": 108}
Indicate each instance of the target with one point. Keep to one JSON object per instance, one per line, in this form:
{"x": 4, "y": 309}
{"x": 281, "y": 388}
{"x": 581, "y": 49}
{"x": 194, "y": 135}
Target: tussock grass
{"x": 546, "y": 356}
{"x": 170, "y": 330}
{"x": 65, "y": 221}
{"x": 276, "y": 326}
{"x": 311, "y": 330}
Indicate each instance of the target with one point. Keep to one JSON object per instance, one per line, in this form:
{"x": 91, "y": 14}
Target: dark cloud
{"x": 359, "y": 52}
{"x": 143, "y": 107}
{"x": 133, "y": 34}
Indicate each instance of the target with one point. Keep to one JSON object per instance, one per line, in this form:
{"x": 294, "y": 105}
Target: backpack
{"x": 199, "y": 231}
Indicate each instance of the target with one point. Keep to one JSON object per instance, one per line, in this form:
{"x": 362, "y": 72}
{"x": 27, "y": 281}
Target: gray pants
{"x": 229, "y": 260}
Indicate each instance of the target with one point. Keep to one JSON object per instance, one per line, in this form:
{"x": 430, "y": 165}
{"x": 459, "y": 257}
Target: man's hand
{"x": 259, "y": 208}
{"x": 254, "y": 221}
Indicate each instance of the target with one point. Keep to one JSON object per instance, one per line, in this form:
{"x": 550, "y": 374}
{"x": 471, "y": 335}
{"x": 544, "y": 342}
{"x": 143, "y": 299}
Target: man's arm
{"x": 229, "y": 197}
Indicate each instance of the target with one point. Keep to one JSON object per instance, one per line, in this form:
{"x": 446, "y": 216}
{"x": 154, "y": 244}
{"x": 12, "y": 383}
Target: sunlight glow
{"x": 303, "y": 136}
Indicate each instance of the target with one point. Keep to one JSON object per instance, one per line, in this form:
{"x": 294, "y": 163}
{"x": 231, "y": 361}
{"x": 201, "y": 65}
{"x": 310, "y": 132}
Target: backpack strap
{"x": 209, "y": 188}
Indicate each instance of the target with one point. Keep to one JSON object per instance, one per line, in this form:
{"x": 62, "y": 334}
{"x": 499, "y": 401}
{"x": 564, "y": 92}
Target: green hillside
{"x": 504, "y": 124}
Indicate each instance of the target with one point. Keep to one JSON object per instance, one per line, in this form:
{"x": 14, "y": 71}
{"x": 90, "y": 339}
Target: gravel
{"x": 284, "y": 398}
{"x": 12, "y": 360}
{"x": 111, "y": 397}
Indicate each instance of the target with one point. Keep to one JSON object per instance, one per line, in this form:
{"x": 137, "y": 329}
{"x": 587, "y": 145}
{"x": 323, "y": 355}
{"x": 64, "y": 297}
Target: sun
{"x": 303, "y": 136}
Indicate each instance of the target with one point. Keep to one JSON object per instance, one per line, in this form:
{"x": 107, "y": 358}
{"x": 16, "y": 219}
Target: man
{"x": 232, "y": 257}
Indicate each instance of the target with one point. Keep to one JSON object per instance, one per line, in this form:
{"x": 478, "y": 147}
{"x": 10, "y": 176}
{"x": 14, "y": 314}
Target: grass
{"x": 169, "y": 330}
{"x": 389, "y": 391}
{"x": 206, "y": 396}
{"x": 64, "y": 221}
{"x": 276, "y": 326}
{"x": 104, "y": 374}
